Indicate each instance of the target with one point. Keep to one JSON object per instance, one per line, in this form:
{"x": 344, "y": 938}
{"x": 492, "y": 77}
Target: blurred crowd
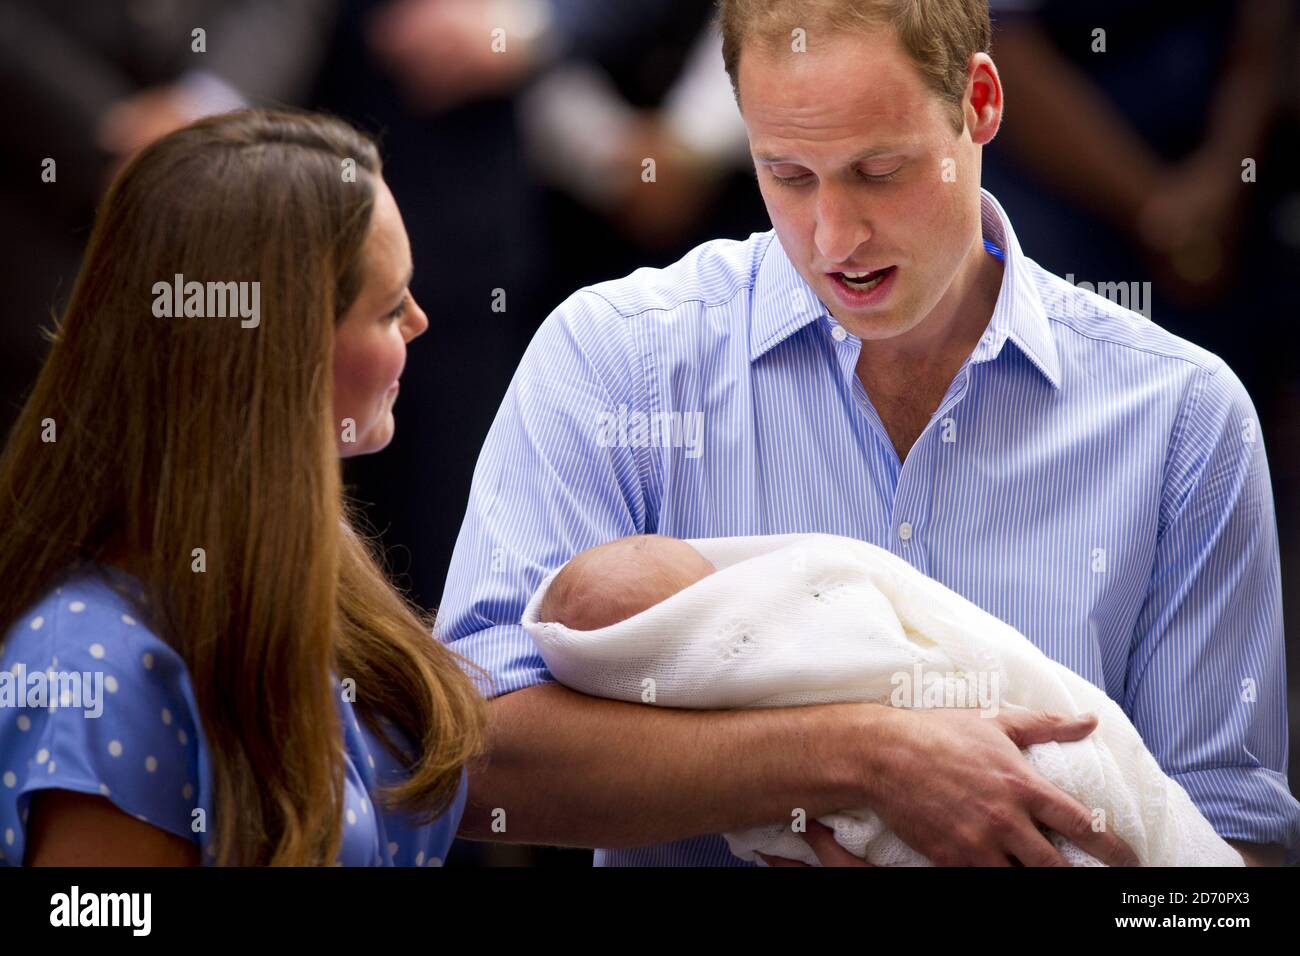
{"x": 536, "y": 146}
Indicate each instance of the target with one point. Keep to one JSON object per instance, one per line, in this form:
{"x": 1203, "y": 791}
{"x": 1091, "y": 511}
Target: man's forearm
{"x": 570, "y": 770}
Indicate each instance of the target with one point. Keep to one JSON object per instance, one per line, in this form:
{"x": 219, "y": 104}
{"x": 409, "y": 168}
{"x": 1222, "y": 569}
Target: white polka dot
{"x": 392, "y": 849}
{"x": 364, "y": 809}
{"x": 151, "y": 764}
{"x": 147, "y": 660}
{"x": 371, "y": 758}
{"x": 187, "y": 792}
{"x": 435, "y": 861}
{"x": 65, "y": 699}
{"x": 352, "y": 817}
{"x": 419, "y": 858}
{"x": 50, "y": 768}
{"x": 103, "y": 788}
{"x": 16, "y": 668}
{"x": 37, "y": 623}
{"x": 115, "y": 748}
{"x": 128, "y": 619}
{"x": 97, "y": 651}
{"x": 110, "y": 682}
{"x": 167, "y": 716}
{"x": 42, "y": 755}
{"x": 10, "y": 779}
{"x": 142, "y": 818}
{"x": 182, "y": 737}
{"x": 9, "y": 836}
{"x": 24, "y": 723}
{"x": 76, "y": 607}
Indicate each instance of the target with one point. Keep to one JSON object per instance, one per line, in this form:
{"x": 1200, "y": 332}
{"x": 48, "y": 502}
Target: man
{"x": 887, "y": 365}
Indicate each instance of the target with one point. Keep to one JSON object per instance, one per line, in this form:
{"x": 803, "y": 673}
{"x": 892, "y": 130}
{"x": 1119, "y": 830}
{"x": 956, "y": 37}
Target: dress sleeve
{"x": 102, "y": 706}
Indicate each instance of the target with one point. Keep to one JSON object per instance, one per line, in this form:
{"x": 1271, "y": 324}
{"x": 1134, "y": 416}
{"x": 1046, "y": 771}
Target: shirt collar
{"x": 784, "y": 303}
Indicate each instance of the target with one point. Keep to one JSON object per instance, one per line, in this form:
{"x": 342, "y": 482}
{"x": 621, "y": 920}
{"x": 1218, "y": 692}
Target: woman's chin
{"x": 376, "y": 438}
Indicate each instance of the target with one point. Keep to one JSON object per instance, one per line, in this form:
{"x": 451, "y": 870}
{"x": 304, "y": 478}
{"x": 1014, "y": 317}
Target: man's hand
{"x": 822, "y": 840}
{"x": 955, "y": 787}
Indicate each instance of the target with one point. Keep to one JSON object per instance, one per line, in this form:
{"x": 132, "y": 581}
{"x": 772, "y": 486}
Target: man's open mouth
{"x": 864, "y": 281}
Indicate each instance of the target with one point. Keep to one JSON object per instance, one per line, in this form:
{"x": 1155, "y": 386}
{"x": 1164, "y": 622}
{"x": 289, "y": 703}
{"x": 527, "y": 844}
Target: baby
{"x": 786, "y": 620}
{"x": 614, "y": 581}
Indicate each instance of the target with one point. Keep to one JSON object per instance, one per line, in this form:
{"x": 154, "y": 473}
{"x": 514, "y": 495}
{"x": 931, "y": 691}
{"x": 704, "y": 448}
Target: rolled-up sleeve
{"x": 1207, "y": 672}
{"x": 549, "y": 483}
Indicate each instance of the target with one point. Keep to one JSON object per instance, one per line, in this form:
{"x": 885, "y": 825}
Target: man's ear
{"x": 983, "y": 103}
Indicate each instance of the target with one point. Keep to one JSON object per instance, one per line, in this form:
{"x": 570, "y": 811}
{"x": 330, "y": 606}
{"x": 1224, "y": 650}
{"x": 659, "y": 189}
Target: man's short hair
{"x": 940, "y": 36}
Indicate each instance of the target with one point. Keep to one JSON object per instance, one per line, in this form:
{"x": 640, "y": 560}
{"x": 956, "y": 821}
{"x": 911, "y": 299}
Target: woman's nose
{"x": 417, "y": 321}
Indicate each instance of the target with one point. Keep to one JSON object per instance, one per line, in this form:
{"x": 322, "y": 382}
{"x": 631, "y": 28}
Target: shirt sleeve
{"x": 555, "y": 476}
{"x": 122, "y": 726}
{"x": 1206, "y": 677}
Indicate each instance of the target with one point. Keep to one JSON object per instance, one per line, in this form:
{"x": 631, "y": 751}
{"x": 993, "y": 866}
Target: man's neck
{"x": 935, "y": 349}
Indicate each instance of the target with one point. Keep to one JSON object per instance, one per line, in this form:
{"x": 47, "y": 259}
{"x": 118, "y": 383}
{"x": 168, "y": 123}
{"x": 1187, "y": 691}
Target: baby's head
{"x": 611, "y": 582}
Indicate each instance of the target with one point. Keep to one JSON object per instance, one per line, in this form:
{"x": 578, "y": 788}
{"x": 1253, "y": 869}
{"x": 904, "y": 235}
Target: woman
{"x": 173, "y": 526}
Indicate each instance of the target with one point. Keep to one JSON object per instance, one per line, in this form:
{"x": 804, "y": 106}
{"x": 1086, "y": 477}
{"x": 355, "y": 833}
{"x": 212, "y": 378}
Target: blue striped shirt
{"x": 1091, "y": 479}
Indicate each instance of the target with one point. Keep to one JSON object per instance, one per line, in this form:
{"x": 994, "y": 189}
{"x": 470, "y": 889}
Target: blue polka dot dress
{"x": 114, "y": 714}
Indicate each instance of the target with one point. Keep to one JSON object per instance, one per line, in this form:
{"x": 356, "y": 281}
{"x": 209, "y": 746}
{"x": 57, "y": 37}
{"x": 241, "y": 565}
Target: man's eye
{"x": 799, "y": 180}
{"x": 398, "y": 312}
{"x": 882, "y": 177}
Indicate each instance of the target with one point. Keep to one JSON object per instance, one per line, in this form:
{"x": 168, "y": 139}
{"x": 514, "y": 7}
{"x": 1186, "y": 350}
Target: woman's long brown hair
{"x": 177, "y": 434}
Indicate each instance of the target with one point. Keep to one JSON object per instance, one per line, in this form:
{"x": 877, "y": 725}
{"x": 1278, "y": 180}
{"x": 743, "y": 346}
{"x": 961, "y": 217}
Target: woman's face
{"x": 370, "y": 341}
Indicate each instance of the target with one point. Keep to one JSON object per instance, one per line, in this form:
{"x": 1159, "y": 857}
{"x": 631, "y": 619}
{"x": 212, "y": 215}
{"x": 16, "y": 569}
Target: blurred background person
{"x": 88, "y": 83}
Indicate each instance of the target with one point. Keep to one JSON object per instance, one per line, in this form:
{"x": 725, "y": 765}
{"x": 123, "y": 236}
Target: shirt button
{"x": 905, "y": 530}
{"x": 838, "y": 333}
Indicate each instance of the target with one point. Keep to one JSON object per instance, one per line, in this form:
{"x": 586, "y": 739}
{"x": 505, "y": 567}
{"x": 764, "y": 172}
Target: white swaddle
{"x": 808, "y": 619}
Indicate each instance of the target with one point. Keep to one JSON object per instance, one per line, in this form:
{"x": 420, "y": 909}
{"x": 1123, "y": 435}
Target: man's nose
{"x": 840, "y": 228}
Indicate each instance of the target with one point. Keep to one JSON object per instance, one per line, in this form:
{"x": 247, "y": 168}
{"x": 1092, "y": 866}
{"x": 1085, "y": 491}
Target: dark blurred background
{"x": 519, "y": 174}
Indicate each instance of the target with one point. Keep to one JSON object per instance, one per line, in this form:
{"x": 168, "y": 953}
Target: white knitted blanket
{"x": 807, "y": 619}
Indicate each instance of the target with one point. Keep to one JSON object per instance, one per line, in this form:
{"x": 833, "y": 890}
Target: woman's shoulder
{"x": 103, "y": 603}
{"x": 94, "y": 701}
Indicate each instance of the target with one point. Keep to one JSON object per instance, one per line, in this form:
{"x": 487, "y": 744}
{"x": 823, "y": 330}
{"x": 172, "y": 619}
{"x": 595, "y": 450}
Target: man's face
{"x": 861, "y": 171}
